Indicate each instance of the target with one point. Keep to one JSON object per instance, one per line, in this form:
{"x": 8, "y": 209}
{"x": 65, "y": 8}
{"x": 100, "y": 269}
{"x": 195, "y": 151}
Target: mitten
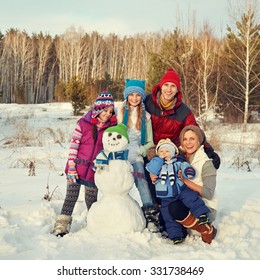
{"x": 190, "y": 173}
{"x": 213, "y": 155}
{"x": 155, "y": 165}
{"x": 72, "y": 175}
{"x": 216, "y": 160}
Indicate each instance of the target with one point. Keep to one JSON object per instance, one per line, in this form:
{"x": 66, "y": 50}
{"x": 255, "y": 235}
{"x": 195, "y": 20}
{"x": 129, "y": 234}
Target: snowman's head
{"x": 115, "y": 138}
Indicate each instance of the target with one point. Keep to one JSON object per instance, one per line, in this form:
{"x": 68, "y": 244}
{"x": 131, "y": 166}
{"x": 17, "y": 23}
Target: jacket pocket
{"x": 160, "y": 189}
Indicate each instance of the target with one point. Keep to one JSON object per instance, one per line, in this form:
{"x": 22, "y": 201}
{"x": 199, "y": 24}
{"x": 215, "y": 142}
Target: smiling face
{"x": 134, "y": 99}
{"x": 169, "y": 91}
{"x": 190, "y": 142}
{"x": 106, "y": 114}
{"x": 113, "y": 141}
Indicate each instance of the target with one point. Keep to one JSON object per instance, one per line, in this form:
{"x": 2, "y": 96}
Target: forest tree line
{"x": 217, "y": 74}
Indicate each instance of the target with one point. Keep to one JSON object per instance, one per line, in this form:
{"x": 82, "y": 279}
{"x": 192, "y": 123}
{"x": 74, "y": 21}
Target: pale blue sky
{"x": 121, "y": 17}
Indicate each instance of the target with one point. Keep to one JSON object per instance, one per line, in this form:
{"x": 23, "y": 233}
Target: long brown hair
{"x": 94, "y": 132}
{"x": 139, "y": 115}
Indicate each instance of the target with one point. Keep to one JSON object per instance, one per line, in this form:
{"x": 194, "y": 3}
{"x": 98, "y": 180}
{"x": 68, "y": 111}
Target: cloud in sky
{"x": 114, "y": 16}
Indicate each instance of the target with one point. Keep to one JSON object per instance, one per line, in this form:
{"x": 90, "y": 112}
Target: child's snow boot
{"x": 203, "y": 219}
{"x": 178, "y": 240}
{"x": 62, "y": 225}
{"x": 152, "y": 218}
{"x": 207, "y": 231}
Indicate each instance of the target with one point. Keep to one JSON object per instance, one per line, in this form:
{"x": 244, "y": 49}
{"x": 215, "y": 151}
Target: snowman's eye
{"x": 109, "y": 134}
{"x": 119, "y": 136}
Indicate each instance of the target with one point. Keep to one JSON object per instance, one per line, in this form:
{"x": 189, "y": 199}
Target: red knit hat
{"x": 172, "y": 77}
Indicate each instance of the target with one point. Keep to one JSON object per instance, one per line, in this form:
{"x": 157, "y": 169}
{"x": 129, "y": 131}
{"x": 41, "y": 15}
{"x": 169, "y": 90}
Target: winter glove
{"x": 151, "y": 153}
{"x": 213, "y": 155}
{"x": 72, "y": 175}
{"x": 216, "y": 160}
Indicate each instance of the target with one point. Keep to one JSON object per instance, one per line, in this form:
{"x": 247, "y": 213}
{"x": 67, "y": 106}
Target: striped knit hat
{"x": 137, "y": 86}
{"x": 104, "y": 100}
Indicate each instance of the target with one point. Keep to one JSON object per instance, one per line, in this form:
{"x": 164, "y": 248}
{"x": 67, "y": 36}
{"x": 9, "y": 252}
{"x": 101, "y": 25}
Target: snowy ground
{"x": 40, "y": 134}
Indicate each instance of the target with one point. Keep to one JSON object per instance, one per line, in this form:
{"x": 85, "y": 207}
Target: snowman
{"x": 115, "y": 211}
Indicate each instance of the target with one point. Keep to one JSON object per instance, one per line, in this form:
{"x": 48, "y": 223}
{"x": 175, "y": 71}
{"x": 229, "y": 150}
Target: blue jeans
{"x": 142, "y": 185}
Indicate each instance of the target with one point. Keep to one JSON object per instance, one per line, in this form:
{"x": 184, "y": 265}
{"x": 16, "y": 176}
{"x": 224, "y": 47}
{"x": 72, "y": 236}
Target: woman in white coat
{"x": 192, "y": 139}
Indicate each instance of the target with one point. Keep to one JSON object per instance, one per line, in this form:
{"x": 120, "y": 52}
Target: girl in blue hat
{"x": 133, "y": 114}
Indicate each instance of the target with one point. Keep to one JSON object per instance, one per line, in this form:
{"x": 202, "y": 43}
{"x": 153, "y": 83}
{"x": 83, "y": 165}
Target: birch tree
{"x": 72, "y": 50}
{"x": 114, "y": 58}
{"x": 207, "y": 73}
{"x": 243, "y": 49}
{"x": 42, "y": 46}
{"x": 15, "y": 64}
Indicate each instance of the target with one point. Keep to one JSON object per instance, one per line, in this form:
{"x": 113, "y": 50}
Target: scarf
{"x": 103, "y": 158}
{"x": 143, "y": 122}
{"x": 167, "y": 105}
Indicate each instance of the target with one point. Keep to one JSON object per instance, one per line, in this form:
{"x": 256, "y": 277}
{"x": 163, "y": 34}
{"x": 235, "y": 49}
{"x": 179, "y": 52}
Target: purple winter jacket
{"x": 88, "y": 148}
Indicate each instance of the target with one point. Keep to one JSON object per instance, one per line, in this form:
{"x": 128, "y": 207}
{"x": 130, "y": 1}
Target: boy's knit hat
{"x": 167, "y": 143}
{"x": 172, "y": 77}
{"x": 137, "y": 86}
{"x": 120, "y": 129}
{"x": 104, "y": 100}
{"x": 134, "y": 86}
{"x": 200, "y": 133}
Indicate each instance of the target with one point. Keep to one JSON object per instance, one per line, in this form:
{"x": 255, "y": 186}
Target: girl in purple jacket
{"x": 86, "y": 143}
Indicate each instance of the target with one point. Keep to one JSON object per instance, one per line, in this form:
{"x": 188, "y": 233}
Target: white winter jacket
{"x": 199, "y": 161}
{"x": 136, "y": 150}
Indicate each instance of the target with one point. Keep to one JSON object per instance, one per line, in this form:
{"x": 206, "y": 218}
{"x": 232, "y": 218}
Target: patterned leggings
{"x": 72, "y": 197}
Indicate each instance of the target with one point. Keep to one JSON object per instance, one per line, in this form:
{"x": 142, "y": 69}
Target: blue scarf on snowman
{"x": 103, "y": 158}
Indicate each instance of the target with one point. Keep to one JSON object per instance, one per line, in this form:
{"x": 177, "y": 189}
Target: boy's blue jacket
{"x": 178, "y": 162}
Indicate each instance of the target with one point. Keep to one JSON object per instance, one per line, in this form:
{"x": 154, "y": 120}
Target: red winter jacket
{"x": 168, "y": 123}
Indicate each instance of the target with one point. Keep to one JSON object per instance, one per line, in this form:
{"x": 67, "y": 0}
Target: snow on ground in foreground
{"x": 26, "y": 219}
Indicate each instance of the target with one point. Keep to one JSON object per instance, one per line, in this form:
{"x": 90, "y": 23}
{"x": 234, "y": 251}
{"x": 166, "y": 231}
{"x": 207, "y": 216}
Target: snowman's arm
{"x": 101, "y": 160}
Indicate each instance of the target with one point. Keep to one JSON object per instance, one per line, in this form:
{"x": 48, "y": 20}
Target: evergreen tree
{"x": 76, "y": 92}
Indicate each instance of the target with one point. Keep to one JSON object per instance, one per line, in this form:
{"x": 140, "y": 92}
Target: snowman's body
{"x": 115, "y": 211}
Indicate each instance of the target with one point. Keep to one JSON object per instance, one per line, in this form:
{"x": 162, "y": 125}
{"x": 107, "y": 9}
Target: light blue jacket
{"x": 167, "y": 189}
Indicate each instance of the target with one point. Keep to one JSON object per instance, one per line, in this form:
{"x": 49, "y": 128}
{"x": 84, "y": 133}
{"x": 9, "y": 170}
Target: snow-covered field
{"x": 39, "y": 135}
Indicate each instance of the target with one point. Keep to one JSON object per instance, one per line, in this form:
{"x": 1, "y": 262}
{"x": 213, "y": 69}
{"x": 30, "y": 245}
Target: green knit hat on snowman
{"x": 120, "y": 129}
